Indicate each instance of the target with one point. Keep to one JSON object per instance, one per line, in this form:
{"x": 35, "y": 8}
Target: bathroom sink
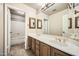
{"x": 59, "y": 42}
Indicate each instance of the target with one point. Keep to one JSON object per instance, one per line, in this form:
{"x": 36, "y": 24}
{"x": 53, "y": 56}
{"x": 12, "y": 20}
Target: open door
{"x": 9, "y": 30}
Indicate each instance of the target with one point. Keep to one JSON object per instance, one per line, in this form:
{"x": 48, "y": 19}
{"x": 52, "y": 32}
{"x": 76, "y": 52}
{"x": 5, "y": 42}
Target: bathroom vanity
{"x": 49, "y": 45}
{"x": 40, "y": 48}
{"x": 40, "y": 45}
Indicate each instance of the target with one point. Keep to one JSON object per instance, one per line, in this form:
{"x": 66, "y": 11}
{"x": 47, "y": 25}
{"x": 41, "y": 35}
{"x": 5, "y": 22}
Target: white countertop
{"x": 65, "y": 46}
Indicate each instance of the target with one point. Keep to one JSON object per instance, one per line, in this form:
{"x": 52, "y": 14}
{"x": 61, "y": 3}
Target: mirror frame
{"x": 76, "y": 22}
{"x": 30, "y": 23}
{"x": 70, "y": 23}
{"x": 39, "y": 21}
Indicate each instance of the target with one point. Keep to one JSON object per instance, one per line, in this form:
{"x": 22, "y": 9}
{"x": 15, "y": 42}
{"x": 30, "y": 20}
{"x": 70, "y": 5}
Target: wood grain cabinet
{"x": 29, "y": 42}
{"x": 41, "y": 49}
{"x": 59, "y": 53}
{"x": 37, "y": 48}
{"x": 51, "y": 51}
{"x": 56, "y": 52}
{"x": 44, "y": 49}
{"x": 33, "y": 45}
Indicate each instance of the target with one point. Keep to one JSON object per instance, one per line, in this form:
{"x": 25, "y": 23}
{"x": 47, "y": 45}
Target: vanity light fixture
{"x": 71, "y": 5}
{"x": 46, "y": 6}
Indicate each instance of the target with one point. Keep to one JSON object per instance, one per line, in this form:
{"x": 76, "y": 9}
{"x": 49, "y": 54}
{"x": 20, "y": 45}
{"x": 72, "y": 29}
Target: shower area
{"x": 17, "y": 27}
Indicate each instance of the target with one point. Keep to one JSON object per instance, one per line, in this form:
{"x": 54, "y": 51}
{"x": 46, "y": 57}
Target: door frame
{"x": 6, "y": 26}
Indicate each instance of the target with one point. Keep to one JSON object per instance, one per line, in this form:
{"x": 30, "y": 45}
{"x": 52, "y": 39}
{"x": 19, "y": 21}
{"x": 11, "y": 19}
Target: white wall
{"x": 56, "y": 23}
{"x": 1, "y": 29}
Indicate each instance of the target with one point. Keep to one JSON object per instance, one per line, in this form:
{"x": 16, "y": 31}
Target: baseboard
{"x": 1, "y": 52}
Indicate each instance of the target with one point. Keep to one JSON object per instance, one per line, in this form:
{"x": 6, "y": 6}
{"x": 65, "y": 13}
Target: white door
{"x": 9, "y": 30}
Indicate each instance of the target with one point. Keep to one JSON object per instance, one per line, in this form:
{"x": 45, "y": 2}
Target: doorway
{"x": 15, "y": 29}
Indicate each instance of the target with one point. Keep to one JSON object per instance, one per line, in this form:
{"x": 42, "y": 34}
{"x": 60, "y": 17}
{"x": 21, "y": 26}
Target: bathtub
{"x": 17, "y": 40}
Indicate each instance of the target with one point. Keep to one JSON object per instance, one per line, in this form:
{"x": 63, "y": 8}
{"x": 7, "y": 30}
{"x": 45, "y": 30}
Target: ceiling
{"x": 36, "y": 6}
{"x": 57, "y": 7}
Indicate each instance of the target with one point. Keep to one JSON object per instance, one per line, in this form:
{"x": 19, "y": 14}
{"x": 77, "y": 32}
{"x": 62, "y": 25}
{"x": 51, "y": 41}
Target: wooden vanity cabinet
{"x": 56, "y": 52}
{"x": 41, "y": 49}
{"x": 29, "y": 42}
{"x": 59, "y": 53}
{"x": 44, "y": 49}
{"x": 33, "y": 45}
{"x": 37, "y": 48}
{"x": 51, "y": 51}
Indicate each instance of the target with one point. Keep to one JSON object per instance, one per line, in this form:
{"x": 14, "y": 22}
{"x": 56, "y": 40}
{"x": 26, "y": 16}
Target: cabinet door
{"x": 44, "y": 49}
{"x": 59, "y": 53}
{"x": 37, "y": 48}
{"x": 52, "y": 51}
{"x": 33, "y": 45}
{"x": 29, "y": 42}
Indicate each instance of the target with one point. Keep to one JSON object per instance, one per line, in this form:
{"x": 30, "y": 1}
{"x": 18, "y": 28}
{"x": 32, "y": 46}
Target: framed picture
{"x": 32, "y": 23}
{"x": 70, "y": 23}
{"x": 39, "y": 24}
{"x": 77, "y": 22}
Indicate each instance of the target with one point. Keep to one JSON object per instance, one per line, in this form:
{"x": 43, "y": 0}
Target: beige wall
{"x": 1, "y": 29}
{"x": 56, "y": 23}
